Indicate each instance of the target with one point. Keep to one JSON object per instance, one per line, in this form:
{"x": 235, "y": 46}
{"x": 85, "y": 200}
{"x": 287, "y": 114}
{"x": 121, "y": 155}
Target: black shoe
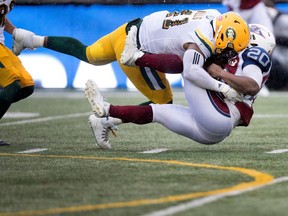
{"x": 3, "y": 143}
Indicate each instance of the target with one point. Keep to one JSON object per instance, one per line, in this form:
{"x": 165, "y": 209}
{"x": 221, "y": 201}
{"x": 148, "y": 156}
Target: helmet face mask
{"x": 262, "y": 37}
{"x": 231, "y": 31}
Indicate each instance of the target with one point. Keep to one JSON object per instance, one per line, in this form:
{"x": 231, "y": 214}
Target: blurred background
{"x": 88, "y": 20}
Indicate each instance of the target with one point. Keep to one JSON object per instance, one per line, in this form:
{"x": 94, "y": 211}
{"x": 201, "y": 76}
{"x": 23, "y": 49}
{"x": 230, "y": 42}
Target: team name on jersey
{"x": 179, "y": 18}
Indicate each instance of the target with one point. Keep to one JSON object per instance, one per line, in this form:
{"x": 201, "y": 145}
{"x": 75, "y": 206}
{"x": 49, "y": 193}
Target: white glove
{"x": 230, "y": 93}
{"x": 22, "y": 39}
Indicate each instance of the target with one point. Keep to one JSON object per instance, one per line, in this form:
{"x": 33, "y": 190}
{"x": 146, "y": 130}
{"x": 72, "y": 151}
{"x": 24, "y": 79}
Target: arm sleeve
{"x": 193, "y": 71}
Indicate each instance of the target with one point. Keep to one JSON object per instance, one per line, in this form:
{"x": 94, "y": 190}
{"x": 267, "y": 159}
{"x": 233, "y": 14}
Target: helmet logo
{"x": 230, "y": 34}
{"x": 255, "y": 29}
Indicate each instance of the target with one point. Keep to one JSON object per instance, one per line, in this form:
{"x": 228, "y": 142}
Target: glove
{"x": 231, "y": 94}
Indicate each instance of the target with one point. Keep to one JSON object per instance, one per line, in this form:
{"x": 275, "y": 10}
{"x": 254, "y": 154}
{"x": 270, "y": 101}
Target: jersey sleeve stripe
{"x": 207, "y": 43}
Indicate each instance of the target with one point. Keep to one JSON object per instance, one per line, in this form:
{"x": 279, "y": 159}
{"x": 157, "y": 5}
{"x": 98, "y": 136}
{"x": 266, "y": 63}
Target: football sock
{"x": 7, "y": 96}
{"x": 38, "y": 41}
{"x": 166, "y": 63}
{"x": 132, "y": 114}
{"x": 24, "y": 93}
{"x": 67, "y": 45}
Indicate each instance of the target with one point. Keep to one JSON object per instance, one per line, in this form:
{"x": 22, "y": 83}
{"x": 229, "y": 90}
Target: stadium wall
{"x": 86, "y": 23}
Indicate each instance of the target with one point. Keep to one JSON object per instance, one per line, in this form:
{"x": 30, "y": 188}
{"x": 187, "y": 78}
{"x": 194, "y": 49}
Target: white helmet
{"x": 262, "y": 37}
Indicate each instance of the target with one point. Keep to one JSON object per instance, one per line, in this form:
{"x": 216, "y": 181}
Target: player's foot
{"x": 101, "y": 128}
{"x": 131, "y": 53}
{"x": 22, "y": 39}
{"x": 3, "y": 143}
{"x": 99, "y": 106}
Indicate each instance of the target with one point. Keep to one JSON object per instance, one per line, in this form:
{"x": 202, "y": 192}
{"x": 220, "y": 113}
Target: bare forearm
{"x": 241, "y": 84}
{"x": 9, "y": 27}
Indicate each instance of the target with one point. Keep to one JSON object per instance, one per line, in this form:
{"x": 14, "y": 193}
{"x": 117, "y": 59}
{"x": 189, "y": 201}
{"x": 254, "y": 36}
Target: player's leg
{"x": 202, "y": 123}
{"x": 151, "y": 83}
{"x": 26, "y": 80}
{"x": 9, "y": 81}
{"x": 67, "y": 45}
{"x": 8, "y": 94}
{"x": 211, "y": 114}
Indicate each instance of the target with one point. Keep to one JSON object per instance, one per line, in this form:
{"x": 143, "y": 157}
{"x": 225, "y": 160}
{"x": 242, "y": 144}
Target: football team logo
{"x": 230, "y": 34}
{"x": 255, "y": 29}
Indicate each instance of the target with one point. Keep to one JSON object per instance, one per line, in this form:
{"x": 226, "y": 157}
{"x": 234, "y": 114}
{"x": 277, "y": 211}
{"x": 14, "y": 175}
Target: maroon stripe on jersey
{"x": 218, "y": 102}
{"x": 246, "y": 113}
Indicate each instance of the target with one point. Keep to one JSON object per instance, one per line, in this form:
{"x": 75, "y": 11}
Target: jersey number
{"x": 259, "y": 56}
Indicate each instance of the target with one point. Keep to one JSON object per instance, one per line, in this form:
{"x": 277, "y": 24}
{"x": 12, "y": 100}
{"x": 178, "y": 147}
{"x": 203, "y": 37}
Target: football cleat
{"x": 131, "y": 53}
{"x": 101, "y": 128}
{"x": 99, "y": 106}
{"x": 22, "y": 39}
{"x": 3, "y": 143}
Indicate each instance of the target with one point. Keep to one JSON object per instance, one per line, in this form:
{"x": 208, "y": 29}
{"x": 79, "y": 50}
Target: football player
{"x": 210, "y": 117}
{"x": 253, "y": 12}
{"x": 205, "y": 32}
{"x": 15, "y": 82}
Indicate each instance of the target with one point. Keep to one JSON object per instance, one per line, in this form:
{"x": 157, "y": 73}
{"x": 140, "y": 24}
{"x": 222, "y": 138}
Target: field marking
{"x": 20, "y": 115}
{"x": 153, "y": 151}
{"x": 278, "y": 151}
{"x": 259, "y": 179}
{"x": 33, "y": 150}
{"x": 37, "y": 120}
{"x": 209, "y": 199}
{"x": 270, "y": 116}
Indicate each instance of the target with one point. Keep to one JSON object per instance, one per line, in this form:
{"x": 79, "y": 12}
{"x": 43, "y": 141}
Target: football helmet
{"x": 231, "y": 31}
{"x": 262, "y": 37}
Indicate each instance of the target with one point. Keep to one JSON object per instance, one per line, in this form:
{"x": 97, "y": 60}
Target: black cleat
{"x": 3, "y": 143}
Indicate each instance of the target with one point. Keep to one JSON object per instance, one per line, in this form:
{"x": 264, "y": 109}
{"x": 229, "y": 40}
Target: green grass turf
{"x": 74, "y": 174}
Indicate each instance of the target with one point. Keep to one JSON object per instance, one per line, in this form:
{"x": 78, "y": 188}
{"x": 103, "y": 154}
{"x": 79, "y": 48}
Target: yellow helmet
{"x": 231, "y": 31}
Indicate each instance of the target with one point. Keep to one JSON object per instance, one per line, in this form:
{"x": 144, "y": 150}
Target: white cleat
{"x": 22, "y": 39}
{"x": 101, "y": 128}
{"x": 131, "y": 53}
{"x": 99, "y": 106}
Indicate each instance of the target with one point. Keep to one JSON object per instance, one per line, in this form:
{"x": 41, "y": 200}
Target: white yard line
{"x": 270, "y": 116}
{"x": 153, "y": 151}
{"x": 209, "y": 199}
{"x": 33, "y": 150}
{"x": 278, "y": 151}
{"x": 20, "y": 115}
{"x": 37, "y": 120}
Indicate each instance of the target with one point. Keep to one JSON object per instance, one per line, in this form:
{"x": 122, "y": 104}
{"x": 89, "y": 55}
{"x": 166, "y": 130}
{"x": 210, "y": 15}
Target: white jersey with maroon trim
{"x": 166, "y": 32}
{"x": 255, "y": 63}
{"x": 5, "y": 7}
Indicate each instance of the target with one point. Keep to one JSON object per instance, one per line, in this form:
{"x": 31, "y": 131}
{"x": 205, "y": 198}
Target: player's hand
{"x": 214, "y": 70}
{"x": 231, "y": 94}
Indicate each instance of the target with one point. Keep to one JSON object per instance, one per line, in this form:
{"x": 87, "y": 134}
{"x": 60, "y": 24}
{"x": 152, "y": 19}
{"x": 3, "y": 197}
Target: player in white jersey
{"x": 178, "y": 28}
{"x": 210, "y": 117}
{"x": 161, "y": 32}
{"x": 15, "y": 82}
